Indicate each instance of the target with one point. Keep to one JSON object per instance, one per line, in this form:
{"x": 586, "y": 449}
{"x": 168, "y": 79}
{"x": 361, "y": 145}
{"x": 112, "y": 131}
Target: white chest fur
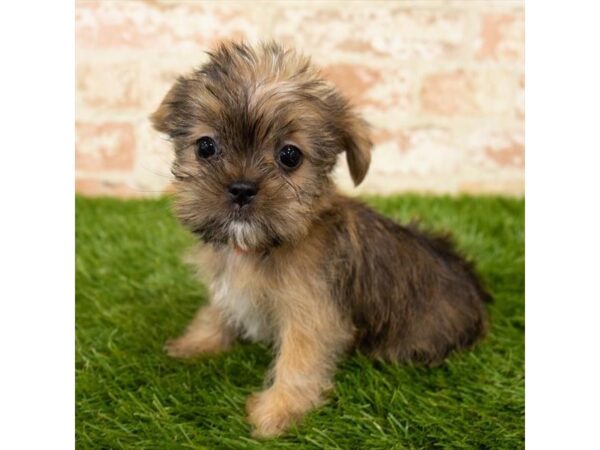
{"x": 242, "y": 299}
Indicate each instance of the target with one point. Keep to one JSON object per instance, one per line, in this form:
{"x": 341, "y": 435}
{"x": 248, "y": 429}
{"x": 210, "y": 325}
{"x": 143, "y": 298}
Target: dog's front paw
{"x": 189, "y": 347}
{"x": 271, "y": 412}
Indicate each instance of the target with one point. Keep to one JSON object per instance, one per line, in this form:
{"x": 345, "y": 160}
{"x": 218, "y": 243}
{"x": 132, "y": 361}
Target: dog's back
{"x": 411, "y": 296}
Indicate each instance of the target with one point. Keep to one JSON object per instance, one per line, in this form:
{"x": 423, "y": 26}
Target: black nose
{"x": 242, "y": 192}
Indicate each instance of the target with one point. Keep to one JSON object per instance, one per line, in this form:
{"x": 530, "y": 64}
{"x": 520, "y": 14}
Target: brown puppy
{"x": 289, "y": 261}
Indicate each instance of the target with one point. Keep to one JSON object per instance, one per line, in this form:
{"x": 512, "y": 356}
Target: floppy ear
{"x": 164, "y": 118}
{"x": 358, "y": 146}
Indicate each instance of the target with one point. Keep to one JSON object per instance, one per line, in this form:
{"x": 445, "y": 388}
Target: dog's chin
{"x": 252, "y": 236}
{"x": 245, "y": 235}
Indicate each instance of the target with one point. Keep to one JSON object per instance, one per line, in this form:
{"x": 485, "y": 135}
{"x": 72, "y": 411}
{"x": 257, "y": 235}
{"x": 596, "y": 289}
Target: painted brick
{"x": 501, "y": 36}
{"x": 520, "y": 98}
{"x": 497, "y": 148}
{"x": 155, "y": 26}
{"x": 106, "y": 146}
{"x": 109, "y": 85}
{"x": 97, "y": 188}
{"x": 442, "y": 84}
{"x": 353, "y": 80}
{"x": 371, "y": 30}
{"x": 468, "y": 92}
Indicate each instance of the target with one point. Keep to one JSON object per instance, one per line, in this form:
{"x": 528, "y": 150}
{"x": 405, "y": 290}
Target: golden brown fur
{"x": 292, "y": 262}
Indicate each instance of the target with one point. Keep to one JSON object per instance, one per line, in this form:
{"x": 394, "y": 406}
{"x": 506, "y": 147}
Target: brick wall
{"x": 442, "y": 83}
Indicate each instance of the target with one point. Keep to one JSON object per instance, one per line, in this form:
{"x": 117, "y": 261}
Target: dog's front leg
{"x": 308, "y": 348}
{"x": 207, "y": 334}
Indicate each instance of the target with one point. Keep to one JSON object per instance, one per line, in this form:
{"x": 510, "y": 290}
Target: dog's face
{"x": 256, "y": 135}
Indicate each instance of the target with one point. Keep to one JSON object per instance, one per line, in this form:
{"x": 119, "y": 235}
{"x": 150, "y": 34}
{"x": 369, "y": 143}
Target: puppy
{"x": 289, "y": 261}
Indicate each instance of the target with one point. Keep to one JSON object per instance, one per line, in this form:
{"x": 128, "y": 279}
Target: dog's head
{"x": 256, "y": 135}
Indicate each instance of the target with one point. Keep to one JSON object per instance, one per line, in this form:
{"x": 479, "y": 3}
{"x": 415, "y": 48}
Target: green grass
{"x": 133, "y": 292}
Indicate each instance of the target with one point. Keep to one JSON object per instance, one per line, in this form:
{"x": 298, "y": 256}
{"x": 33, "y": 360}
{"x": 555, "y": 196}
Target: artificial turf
{"x": 133, "y": 292}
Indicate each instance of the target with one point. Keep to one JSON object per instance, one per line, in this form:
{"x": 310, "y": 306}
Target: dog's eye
{"x": 206, "y": 147}
{"x": 290, "y": 157}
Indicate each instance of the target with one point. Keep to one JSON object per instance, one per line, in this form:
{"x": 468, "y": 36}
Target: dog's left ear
{"x": 357, "y": 143}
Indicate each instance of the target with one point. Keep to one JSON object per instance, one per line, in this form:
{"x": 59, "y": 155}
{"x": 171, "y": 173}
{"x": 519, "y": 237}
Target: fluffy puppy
{"x": 290, "y": 261}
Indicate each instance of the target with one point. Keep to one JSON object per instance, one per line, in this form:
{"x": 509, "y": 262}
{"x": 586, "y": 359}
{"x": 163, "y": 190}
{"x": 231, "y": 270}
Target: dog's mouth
{"x": 242, "y": 213}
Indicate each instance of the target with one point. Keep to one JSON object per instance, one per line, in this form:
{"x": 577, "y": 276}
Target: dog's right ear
{"x": 164, "y": 119}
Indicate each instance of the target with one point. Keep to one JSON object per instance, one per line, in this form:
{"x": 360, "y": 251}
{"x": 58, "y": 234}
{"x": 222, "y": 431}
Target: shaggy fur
{"x": 302, "y": 267}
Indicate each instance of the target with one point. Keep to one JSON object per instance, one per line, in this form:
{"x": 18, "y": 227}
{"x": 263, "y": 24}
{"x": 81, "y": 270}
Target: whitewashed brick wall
{"x": 442, "y": 83}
